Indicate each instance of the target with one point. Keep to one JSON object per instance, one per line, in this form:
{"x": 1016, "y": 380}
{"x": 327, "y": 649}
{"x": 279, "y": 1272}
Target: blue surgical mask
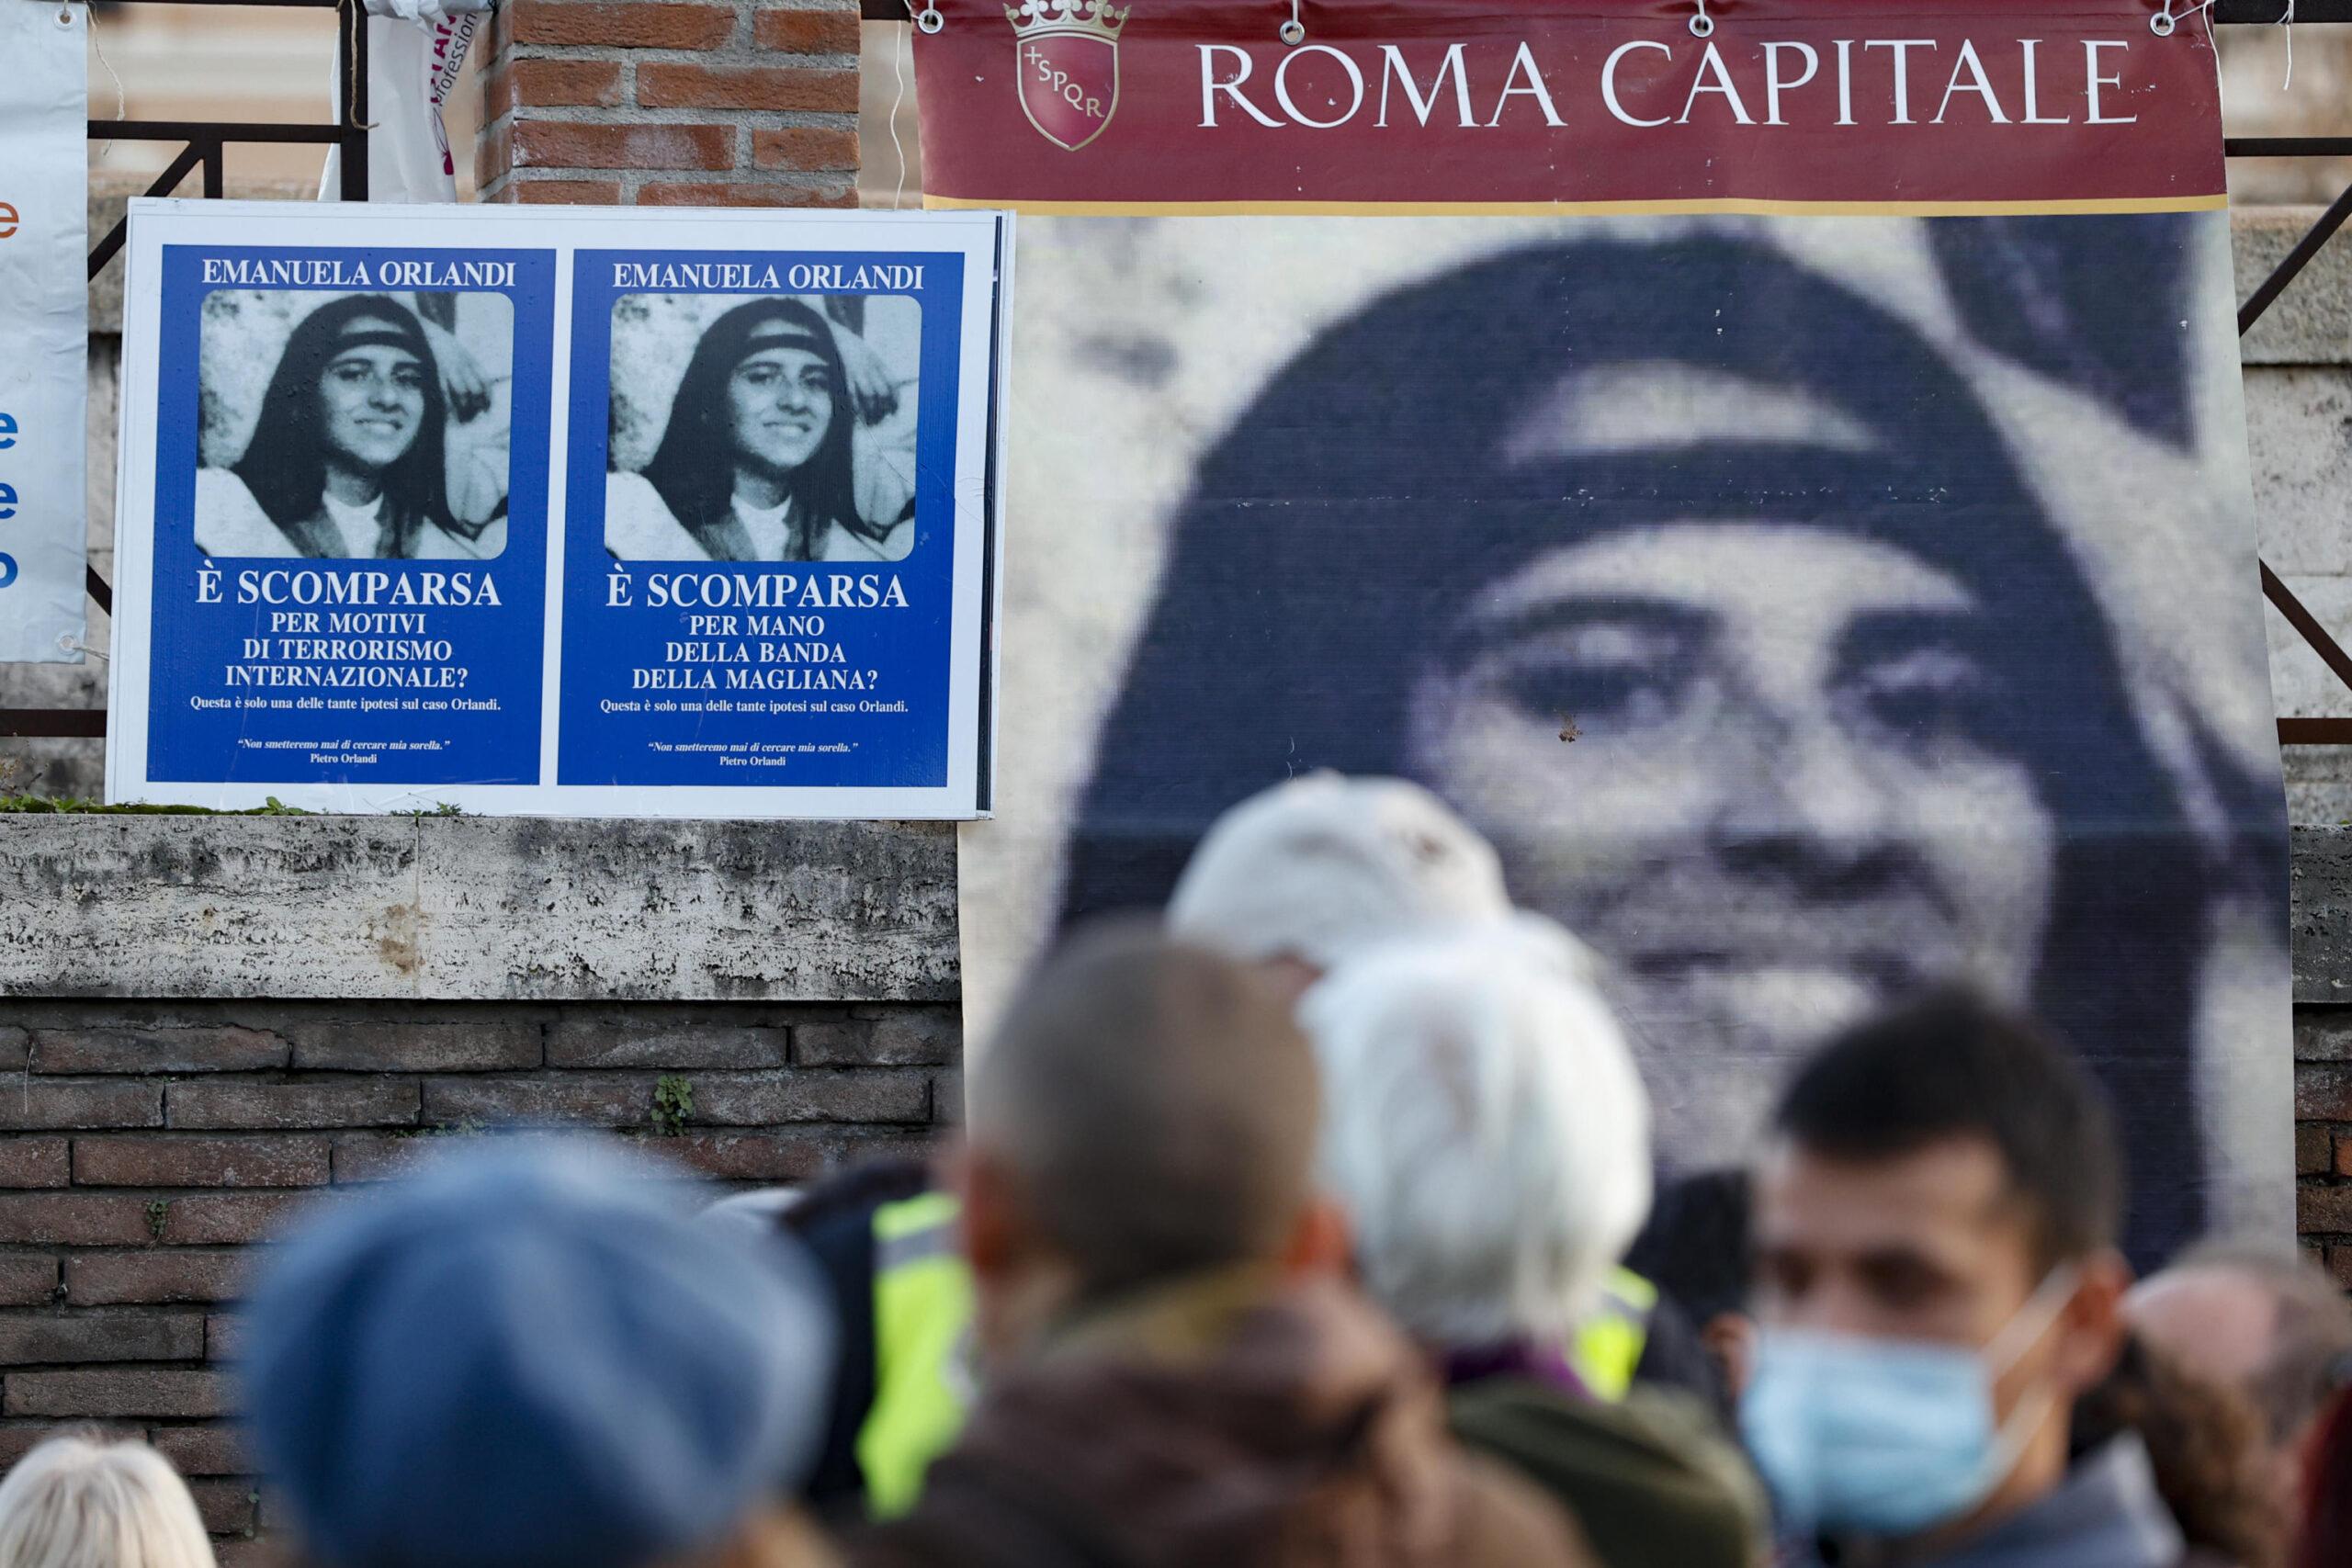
{"x": 1888, "y": 1438}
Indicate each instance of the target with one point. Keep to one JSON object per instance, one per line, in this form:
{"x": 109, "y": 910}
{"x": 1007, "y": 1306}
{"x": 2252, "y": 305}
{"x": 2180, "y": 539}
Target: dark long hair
{"x": 1354, "y": 512}
{"x": 285, "y": 464}
{"x": 693, "y": 468}
{"x": 2205, "y": 1445}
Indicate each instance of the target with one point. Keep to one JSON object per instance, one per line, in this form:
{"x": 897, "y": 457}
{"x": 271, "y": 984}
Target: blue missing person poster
{"x": 772, "y": 600}
{"x": 349, "y": 579}
{"x": 612, "y": 512}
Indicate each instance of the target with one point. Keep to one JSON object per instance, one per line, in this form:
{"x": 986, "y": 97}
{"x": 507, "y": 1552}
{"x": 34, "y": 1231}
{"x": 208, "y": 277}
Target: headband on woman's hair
{"x": 783, "y": 335}
{"x": 388, "y": 337}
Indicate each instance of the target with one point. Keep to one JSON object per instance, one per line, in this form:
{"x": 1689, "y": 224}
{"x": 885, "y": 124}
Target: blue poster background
{"x": 482, "y": 729}
{"x": 629, "y": 714}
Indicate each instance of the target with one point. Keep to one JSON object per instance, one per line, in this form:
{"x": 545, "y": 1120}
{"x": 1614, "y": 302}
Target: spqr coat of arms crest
{"x": 1067, "y": 59}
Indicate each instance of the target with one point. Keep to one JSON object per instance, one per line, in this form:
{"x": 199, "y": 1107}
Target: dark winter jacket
{"x": 1229, "y": 1422}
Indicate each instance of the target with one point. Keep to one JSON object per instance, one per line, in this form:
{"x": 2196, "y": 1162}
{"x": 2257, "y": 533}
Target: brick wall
{"x": 695, "y": 103}
{"x": 143, "y": 1145}
{"x": 2323, "y": 1133}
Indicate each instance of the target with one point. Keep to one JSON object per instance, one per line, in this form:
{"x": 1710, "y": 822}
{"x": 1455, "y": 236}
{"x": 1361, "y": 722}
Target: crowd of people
{"x": 1315, "y": 1221}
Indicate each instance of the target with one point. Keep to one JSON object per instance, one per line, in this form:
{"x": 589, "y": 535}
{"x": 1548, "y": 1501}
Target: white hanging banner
{"x": 44, "y": 330}
{"x": 414, "y": 57}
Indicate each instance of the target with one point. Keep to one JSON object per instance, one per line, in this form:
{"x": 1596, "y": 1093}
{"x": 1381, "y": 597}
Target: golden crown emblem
{"x": 1045, "y": 18}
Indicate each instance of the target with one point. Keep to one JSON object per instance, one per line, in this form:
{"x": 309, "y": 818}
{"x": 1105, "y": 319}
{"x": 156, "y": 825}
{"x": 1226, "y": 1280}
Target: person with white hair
{"x": 81, "y": 1502}
{"x": 1488, "y": 1136}
{"x": 1299, "y": 875}
{"x": 1288, "y": 882}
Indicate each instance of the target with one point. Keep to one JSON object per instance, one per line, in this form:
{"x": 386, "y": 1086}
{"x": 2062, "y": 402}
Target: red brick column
{"x": 739, "y": 103}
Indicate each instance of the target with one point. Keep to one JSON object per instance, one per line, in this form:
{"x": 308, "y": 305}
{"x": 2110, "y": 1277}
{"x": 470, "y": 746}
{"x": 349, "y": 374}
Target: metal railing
{"x": 2335, "y": 731}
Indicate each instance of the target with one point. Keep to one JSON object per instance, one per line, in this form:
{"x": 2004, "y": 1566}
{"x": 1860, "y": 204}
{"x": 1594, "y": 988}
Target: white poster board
{"x": 45, "y": 330}
{"x": 590, "y": 512}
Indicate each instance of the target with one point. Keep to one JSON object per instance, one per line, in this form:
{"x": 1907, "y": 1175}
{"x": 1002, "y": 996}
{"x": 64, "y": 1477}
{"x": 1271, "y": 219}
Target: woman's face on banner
{"x": 373, "y": 396}
{"x": 780, "y": 403}
{"x": 1749, "y": 762}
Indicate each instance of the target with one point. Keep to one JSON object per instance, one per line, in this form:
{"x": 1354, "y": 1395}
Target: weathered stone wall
{"x": 475, "y": 909}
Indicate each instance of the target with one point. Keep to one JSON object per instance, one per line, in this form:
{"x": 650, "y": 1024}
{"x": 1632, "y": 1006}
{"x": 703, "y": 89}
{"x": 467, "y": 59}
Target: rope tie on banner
{"x": 1701, "y": 23}
{"x": 1294, "y": 32}
{"x": 927, "y": 20}
{"x": 351, "y": 64}
{"x": 99, "y": 46}
{"x": 2166, "y": 21}
{"x": 897, "y": 149}
{"x": 2287, "y": 22}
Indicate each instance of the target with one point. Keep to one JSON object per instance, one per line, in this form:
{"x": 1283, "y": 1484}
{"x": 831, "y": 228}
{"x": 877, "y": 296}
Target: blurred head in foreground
{"x": 2205, "y": 1447}
{"x": 1488, "y": 1137}
{"x": 1145, "y": 1111}
{"x": 536, "y": 1360}
{"x": 78, "y": 1502}
{"x": 1936, "y": 1280}
{"x": 1487, "y": 1131}
{"x": 2263, "y": 1322}
{"x": 1695, "y": 1249}
{"x": 1297, "y": 876}
{"x": 1180, "y": 1373}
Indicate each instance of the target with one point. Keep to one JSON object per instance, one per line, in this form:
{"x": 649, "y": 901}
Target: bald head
{"x": 1155, "y": 1105}
{"x": 2268, "y": 1322}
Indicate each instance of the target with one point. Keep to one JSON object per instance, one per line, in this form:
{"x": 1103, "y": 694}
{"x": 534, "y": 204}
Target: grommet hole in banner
{"x": 2166, "y": 21}
{"x": 1292, "y": 32}
{"x": 1701, "y": 23}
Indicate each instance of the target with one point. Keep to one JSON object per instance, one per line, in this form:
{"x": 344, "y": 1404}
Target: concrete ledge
{"x": 2321, "y": 921}
{"x": 476, "y": 908}
{"x": 531, "y": 909}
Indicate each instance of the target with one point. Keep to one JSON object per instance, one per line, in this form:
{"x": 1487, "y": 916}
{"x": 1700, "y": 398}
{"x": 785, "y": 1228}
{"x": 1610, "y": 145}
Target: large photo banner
{"x": 45, "y": 327}
{"x": 1784, "y": 481}
{"x": 612, "y": 513}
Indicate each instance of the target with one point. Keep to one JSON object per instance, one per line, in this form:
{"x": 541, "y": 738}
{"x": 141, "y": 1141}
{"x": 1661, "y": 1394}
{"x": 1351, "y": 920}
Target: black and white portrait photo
{"x": 762, "y": 428}
{"x": 354, "y": 425}
{"x": 1801, "y": 629}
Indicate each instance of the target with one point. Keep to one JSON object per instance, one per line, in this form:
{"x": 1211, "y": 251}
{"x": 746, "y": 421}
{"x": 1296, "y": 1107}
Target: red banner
{"x": 1445, "y": 106}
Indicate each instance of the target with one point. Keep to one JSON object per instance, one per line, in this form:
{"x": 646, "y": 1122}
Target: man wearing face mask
{"x": 1936, "y": 1284}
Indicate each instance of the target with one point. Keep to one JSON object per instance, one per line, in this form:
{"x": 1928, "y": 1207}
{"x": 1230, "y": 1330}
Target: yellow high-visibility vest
{"x": 922, "y": 1329}
{"x": 1609, "y": 1344}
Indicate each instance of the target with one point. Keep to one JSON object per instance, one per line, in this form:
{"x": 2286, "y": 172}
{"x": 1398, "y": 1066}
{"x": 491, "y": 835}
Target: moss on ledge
{"x": 69, "y": 806}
